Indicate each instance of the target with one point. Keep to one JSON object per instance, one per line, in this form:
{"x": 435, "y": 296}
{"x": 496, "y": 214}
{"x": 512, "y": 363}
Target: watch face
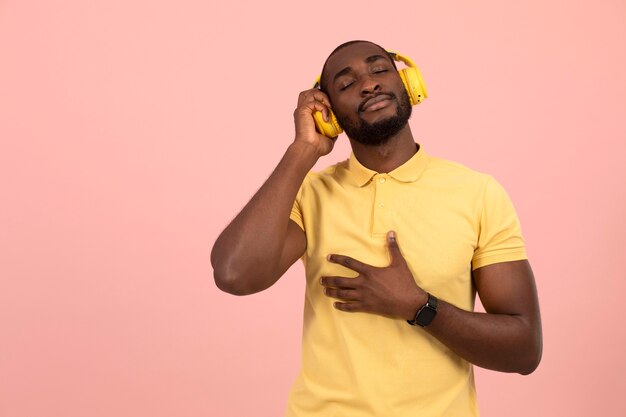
{"x": 426, "y": 316}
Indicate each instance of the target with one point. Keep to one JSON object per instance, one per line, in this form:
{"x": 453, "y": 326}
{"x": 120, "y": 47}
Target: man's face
{"x": 367, "y": 94}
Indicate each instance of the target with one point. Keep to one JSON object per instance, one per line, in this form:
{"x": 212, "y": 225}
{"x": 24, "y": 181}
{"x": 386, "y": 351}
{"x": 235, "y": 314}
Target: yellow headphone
{"x": 413, "y": 83}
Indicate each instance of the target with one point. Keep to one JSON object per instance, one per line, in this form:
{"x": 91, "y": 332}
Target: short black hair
{"x": 323, "y": 84}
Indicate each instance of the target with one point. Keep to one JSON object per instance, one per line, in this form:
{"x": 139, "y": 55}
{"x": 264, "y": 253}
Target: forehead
{"x": 352, "y": 55}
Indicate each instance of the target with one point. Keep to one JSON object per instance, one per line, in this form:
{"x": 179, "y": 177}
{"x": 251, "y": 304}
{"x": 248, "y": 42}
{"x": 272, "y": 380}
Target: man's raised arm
{"x": 261, "y": 243}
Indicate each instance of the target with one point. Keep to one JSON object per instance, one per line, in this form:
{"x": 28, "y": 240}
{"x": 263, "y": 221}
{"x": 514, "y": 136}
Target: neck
{"x": 388, "y": 156}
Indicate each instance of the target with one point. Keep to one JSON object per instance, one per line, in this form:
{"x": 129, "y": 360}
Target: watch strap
{"x": 425, "y": 315}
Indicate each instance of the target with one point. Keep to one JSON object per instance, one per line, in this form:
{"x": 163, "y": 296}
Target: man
{"x": 389, "y": 236}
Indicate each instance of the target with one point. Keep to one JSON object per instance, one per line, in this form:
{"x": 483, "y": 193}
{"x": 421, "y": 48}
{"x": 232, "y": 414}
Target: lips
{"x": 370, "y": 101}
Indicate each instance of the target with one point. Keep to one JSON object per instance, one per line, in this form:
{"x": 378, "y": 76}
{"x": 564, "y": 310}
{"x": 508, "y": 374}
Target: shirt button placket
{"x": 381, "y": 203}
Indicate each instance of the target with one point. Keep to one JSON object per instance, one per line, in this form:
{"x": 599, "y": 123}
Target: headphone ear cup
{"x": 414, "y": 84}
{"x": 328, "y": 128}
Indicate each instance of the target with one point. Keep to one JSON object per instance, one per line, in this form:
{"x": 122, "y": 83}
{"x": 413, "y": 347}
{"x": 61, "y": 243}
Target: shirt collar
{"x": 410, "y": 171}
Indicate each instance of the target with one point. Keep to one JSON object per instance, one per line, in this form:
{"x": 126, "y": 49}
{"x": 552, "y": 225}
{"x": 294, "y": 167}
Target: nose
{"x": 369, "y": 86}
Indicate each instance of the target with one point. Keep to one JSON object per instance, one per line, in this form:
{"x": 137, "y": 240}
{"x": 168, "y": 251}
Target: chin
{"x": 377, "y": 127}
{"x": 377, "y": 133}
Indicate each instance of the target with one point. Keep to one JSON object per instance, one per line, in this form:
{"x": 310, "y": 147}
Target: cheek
{"x": 345, "y": 109}
{"x": 347, "y": 118}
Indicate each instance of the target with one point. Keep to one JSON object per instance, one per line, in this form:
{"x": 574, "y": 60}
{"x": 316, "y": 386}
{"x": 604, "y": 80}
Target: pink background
{"x": 133, "y": 131}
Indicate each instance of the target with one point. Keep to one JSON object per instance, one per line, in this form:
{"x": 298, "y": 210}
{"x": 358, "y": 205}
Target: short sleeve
{"x": 500, "y": 236}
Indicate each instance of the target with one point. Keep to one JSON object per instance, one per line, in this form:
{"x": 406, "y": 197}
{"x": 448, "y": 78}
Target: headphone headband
{"x": 402, "y": 58}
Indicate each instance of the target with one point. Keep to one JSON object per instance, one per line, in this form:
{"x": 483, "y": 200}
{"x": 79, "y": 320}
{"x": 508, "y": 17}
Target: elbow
{"x": 227, "y": 278}
{"x": 230, "y": 283}
{"x": 530, "y": 348}
{"x": 532, "y": 358}
{"x": 235, "y": 280}
{"x": 530, "y": 367}
{"x": 227, "y": 285}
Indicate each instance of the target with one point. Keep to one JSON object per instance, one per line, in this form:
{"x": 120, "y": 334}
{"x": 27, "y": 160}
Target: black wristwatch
{"x": 426, "y": 314}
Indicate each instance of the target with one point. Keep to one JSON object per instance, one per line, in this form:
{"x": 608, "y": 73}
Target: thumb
{"x": 394, "y": 249}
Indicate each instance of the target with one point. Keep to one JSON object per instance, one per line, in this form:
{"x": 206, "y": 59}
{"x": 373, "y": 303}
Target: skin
{"x": 261, "y": 243}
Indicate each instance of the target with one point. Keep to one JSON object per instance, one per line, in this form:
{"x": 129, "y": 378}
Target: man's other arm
{"x": 508, "y": 336}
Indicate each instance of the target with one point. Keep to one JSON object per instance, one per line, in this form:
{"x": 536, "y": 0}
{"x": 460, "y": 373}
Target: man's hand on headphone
{"x": 311, "y": 101}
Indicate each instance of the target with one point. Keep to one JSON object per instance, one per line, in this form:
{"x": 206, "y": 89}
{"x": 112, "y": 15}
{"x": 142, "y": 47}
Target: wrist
{"x": 304, "y": 151}
{"x": 427, "y": 313}
{"x": 416, "y": 302}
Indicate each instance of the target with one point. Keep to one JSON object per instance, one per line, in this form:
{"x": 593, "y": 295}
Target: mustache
{"x": 391, "y": 96}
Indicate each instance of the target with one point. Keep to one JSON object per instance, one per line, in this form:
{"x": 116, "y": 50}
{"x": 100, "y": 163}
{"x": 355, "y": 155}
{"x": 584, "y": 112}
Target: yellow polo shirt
{"x": 449, "y": 220}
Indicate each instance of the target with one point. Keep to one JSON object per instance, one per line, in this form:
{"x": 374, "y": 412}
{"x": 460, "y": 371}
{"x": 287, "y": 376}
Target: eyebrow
{"x": 367, "y": 60}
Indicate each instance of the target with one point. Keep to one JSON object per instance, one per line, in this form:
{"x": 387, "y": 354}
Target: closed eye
{"x": 375, "y": 70}
{"x": 345, "y": 86}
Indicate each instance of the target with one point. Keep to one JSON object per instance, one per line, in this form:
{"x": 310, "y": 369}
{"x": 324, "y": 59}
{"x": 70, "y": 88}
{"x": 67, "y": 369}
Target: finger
{"x": 341, "y": 293}
{"x": 339, "y": 282}
{"x": 318, "y": 96}
{"x": 394, "y": 249}
{"x": 313, "y": 95}
{"x": 349, "y": 263}
{"x": 348, "y": 307}
{"x": 314, "y": 106}
{"x": 325, "y": 111}
{"x": 324, "y": 100}
{"x": 325, "y": 115}
{"x": 304, "y": 113}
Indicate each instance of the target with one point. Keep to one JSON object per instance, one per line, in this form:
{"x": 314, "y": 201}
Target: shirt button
{"x": 381, "y": 205}
{"x": 382, "y": 180}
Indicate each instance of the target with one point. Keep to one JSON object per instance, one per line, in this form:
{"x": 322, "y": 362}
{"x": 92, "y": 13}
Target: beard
{"x": 378, "y": 133}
